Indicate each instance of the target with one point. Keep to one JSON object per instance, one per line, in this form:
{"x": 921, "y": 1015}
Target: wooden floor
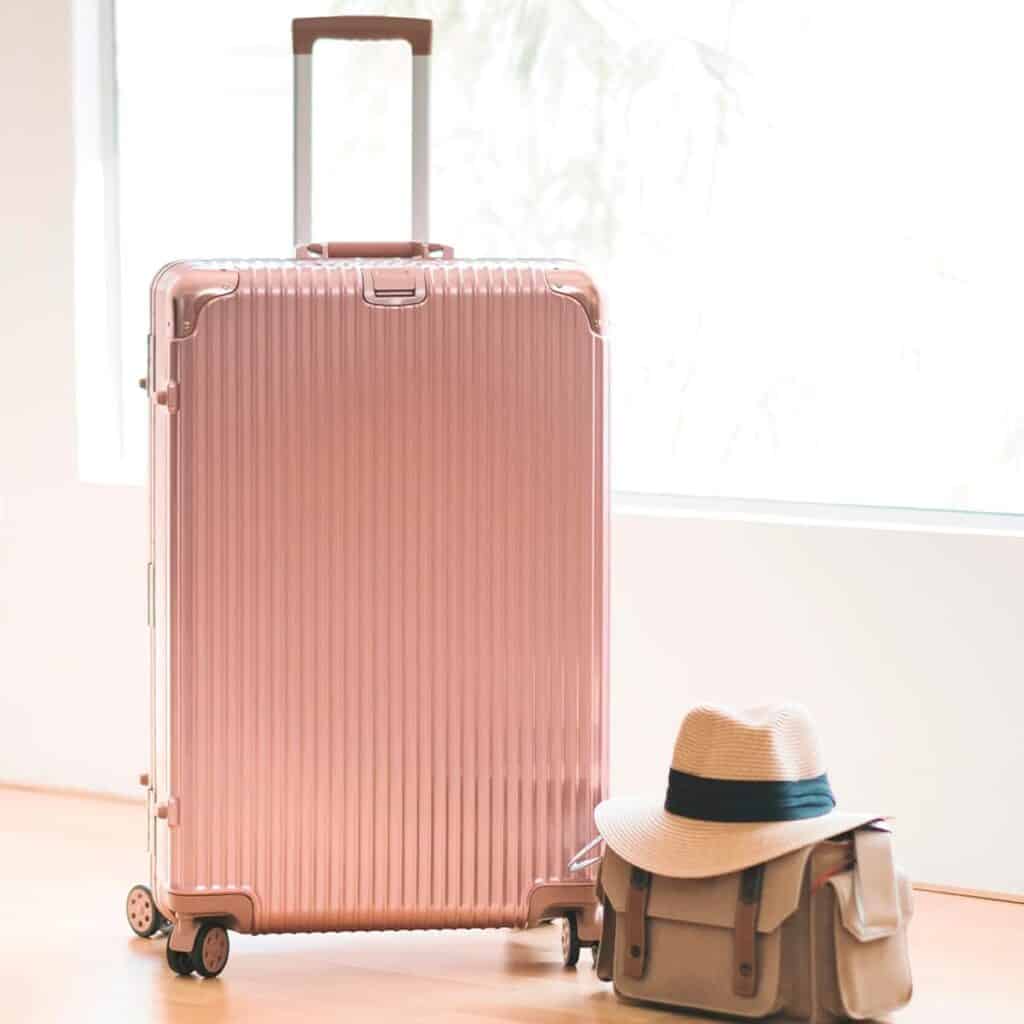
{"x": 66, "y": 954}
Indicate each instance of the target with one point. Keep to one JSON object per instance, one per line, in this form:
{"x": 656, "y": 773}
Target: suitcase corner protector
{"x": 576, "y": 284}
{"x": 192, "y": 290}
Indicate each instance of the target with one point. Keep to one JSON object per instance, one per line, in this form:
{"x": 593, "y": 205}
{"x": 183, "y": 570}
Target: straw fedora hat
{"x": 744, "y": 787}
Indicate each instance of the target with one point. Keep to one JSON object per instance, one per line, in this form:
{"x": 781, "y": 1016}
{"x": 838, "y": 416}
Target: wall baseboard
{"x": 977, "y": 894}
{"x": 72, "y": 791}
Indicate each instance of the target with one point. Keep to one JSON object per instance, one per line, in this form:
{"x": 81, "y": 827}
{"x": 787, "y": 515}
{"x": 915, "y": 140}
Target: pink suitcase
{"x": 378, "y": 583}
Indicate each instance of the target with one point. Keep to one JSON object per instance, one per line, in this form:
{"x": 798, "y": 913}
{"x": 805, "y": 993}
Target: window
{"x": 806, "y": 215}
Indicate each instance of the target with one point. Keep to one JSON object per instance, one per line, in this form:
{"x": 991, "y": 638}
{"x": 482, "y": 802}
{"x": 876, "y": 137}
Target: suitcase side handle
{"x": 417, "y": 32}
{"x": 384, "y": 250}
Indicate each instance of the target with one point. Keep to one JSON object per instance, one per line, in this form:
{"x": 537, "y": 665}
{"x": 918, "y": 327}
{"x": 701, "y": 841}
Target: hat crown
{"x": 772, "y": 742}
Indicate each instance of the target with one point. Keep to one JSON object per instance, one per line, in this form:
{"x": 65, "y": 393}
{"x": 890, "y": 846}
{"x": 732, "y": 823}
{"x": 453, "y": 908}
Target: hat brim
{"x": 642, "y": 832}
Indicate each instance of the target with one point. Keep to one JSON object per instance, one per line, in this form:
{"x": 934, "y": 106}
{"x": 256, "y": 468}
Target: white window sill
{"x": 126, "y": 473}
{"x": 793, "y": 513}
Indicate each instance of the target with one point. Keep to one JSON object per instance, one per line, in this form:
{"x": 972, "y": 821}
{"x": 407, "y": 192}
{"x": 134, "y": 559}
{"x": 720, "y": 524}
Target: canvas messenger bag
{"x": 817, "y": 934}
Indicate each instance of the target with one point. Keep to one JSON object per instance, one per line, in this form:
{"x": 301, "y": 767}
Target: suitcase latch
{"x": 169, "y": 811}
{"x": 394, "y": 286}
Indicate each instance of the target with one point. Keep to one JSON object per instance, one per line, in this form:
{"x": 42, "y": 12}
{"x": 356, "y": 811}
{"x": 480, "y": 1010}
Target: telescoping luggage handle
{"x": 418, "y": 33}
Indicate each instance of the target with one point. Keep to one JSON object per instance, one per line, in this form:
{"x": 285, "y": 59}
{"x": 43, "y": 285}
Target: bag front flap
{"x": 874, "y": 899}
{"x": 712, "y": 901}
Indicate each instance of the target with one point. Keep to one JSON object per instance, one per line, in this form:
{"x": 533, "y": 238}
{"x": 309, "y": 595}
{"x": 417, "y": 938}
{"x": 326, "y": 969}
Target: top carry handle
{"x": 418, "y": 33}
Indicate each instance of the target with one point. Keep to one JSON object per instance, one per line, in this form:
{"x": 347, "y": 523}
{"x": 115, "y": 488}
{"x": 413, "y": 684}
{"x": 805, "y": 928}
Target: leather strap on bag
{"x": 744, "y": 974}
{"x": 606, "y": 947}
{"x": 636, "y": 922}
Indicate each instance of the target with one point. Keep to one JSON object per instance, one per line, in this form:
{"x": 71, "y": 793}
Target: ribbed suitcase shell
{"x": 379, "y": 546}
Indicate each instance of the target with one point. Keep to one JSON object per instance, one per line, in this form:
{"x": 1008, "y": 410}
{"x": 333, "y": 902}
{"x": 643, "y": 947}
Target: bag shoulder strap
{"x": 605, "y": 966}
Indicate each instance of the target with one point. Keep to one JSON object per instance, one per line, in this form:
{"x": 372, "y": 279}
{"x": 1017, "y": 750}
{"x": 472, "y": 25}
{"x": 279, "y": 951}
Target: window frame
{"x": 99, "y": 345}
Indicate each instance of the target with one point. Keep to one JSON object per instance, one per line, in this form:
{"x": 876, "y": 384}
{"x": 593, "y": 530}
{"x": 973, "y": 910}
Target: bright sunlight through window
{"x": 807, "y": 216}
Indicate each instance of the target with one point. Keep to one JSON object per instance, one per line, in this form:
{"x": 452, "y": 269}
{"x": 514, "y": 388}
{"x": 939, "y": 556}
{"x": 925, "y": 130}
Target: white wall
{"x": 72, "y": 579}
{"x": 904, "y": 644}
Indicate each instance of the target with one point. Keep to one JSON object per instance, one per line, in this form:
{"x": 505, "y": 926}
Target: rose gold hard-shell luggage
{"x": 378, "y": 582}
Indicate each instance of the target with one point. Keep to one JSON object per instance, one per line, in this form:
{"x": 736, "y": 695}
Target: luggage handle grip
{"x": 417, "y": 32}
{"x": 385, "y": 250}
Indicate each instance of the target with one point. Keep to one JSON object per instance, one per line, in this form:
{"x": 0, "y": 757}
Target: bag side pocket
{"x": 872, "y": 962}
